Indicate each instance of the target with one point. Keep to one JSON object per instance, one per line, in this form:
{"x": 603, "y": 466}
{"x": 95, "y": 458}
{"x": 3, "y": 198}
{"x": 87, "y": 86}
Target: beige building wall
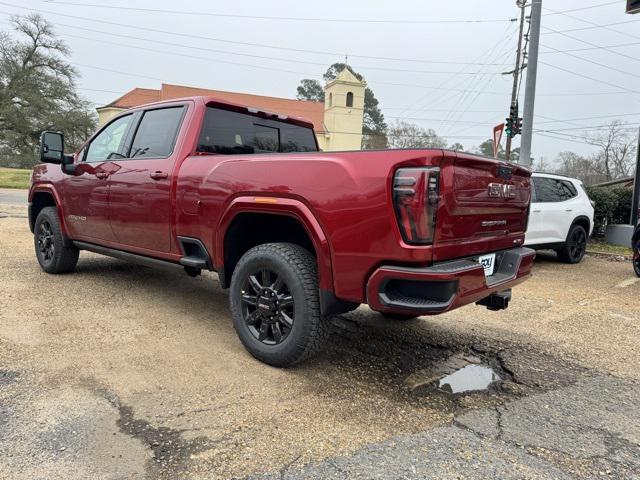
{"x": 343, "y": 113}
{"x": 107, "y": 113}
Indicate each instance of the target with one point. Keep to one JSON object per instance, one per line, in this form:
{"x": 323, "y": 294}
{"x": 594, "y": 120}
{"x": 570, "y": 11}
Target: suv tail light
{"x": 415, "y": 199}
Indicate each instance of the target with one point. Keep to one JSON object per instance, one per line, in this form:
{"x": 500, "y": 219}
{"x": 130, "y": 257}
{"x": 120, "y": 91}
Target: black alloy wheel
{"x": 267, "y": 306}
{"x": 46, "y": 245}
{"x": 636, "y": 257}
{"x": 55, "y": 252}
{"x": 275, "y": 304}
{"x": 575, "y": 247}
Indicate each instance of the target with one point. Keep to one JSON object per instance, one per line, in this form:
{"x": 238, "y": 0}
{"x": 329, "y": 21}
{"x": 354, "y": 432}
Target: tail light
{"x": 415, "y": 199}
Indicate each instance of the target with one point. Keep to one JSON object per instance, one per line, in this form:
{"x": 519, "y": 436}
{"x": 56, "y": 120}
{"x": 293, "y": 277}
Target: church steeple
{"x": 344, "y": 111}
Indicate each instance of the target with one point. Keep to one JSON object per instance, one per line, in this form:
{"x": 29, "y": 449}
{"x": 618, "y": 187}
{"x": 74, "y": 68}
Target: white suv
{"x": 561, "y": 216}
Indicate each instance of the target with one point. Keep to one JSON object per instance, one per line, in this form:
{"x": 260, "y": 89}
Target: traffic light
{"x": 508, "y": 127}
{"x": 513, "y": 125}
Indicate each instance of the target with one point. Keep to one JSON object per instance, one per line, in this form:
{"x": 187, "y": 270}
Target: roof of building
{"x": 311, "y": 111}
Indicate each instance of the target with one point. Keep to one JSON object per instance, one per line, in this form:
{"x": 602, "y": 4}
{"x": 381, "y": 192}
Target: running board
{"x": 194, "y": 262}
{"x": 127, "y": 256}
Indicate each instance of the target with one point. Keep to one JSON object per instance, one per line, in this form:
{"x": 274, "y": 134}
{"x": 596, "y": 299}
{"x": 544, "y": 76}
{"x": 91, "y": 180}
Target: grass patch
{"x": 604, "y": 247}
{"x": 14, "y": 178}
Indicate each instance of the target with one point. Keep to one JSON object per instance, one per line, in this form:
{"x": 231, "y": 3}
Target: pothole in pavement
{"x": 457, "y": 374}
{"x": 420, "y": 365}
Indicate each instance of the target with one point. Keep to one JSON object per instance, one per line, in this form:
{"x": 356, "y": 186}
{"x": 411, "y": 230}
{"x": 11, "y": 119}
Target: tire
{"x": 275, "y": 304}
{"x": 636, "y": 257}
{"x": 575, "y": 246}
{"x": 398, "y": 316}
{"x": 54, "y": 252}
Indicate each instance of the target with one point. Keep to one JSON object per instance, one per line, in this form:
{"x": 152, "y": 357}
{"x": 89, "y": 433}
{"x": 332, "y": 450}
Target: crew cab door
{"x": 140, "y": 206}
{"x": 86, "y": 193}
{"x": 551, "y": 212}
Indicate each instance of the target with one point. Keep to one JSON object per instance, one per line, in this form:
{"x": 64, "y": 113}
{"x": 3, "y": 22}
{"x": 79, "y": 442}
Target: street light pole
{"x": 516, "y": 73}
{"x": 530, "y": 88}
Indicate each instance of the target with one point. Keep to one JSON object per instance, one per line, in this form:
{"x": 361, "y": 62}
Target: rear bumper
{"x": 445, "y": 285}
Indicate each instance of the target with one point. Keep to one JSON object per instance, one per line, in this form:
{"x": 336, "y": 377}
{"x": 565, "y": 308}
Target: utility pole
{"x": 530, "y": 88}
{"x": 516, "y": 72}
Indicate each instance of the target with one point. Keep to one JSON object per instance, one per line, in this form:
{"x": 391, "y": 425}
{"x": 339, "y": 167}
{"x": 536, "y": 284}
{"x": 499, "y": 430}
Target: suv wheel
{"x": 54, "y": 252}
{"x": 636, "y": 257}
{"x": 575, "y": 246}
{"x": 275, "y": 304}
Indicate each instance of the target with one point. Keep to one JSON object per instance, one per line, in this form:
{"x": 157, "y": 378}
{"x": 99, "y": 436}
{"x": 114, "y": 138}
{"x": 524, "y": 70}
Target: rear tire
{"x": 636, "y": 257}
{"x": 275, "y": 304}
{"x": 55, "y": 253}
{"x": 574, "y": 248}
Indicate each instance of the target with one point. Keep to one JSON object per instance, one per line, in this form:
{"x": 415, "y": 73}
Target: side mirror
{"x": 52, "y": 148}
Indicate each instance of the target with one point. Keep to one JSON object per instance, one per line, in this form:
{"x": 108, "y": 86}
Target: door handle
{"x": 158, "y": 175}
{"x": 537, "y": 211}
{"x": 569, "y": 210}
{"x": 102, "y": 175}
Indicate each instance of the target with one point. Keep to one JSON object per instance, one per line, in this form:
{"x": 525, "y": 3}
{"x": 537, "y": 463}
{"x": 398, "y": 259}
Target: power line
{"x": 589, "y": 78}
{"x": 594, "y": 26}
{"x": 562, "y": 138}
{"x": 592, "y": 117}
{"x": 264, "y": 17}
{"x": 593, "y": 62}
{"x": 575, "y": 9}
{"x": 591, "y": 44}
{"x": 597, "y": 47}
{"x": 221, "y": 40}
{"x": 588, "y": 22}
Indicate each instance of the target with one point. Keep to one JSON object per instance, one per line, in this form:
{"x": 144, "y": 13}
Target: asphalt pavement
{"x": 121, "y": 371}
{"x": 13, "y": 196}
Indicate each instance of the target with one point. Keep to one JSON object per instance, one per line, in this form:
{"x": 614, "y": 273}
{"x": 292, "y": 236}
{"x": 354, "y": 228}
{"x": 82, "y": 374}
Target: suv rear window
{"x": 227, "y": 132}
{"x": 553, "y": 190}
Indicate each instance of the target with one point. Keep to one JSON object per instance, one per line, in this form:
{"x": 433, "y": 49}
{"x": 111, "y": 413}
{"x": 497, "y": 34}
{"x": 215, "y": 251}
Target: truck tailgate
{"x": 484, "y": 206}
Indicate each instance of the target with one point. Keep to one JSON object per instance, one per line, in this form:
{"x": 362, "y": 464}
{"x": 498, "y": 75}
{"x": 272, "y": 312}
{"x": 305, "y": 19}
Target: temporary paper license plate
{"x": 487, "y": 262}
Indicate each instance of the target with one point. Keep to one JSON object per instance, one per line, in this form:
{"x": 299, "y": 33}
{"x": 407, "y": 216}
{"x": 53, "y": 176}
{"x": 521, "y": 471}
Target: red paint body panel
{"x": 342, "y": 199}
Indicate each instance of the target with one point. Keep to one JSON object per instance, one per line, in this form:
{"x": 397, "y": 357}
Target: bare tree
{"x": 614, "y": 159}
{"x": 403, "y": 134}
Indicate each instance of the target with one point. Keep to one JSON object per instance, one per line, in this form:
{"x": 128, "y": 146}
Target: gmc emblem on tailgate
{"x": 502, "y": 190}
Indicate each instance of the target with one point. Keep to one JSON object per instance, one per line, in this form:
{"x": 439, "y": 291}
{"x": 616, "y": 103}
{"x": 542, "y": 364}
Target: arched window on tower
{"x": 331, "y": 99}
{"x": 349, "y": 99}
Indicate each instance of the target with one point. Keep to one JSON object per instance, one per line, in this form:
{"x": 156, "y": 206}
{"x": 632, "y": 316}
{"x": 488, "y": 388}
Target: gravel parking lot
{"x": 120, "y": 371}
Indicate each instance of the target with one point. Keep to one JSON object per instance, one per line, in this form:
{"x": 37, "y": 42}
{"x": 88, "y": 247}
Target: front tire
{"x": 575, "y": 246}
{"x": 275, "y": 304}
{"x": 54, "y": 252}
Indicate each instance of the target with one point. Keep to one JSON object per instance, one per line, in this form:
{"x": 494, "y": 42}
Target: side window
{"x": 156, "y": 133}
{"x": 553, "y": 190}
{"x": 567, "y": 190}
{"x": 546, "y": 190}
{"x": 109, "y": 143}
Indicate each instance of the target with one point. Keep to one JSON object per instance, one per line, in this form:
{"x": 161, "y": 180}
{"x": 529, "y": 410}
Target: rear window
{"x": 553, "y": 190}
{"x": 227, "y": 132}
{"x": 157, "y": 132}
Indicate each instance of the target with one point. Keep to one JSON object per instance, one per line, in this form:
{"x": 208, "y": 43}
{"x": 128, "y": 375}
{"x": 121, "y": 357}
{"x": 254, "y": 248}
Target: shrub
{"x": 613, "y": 206}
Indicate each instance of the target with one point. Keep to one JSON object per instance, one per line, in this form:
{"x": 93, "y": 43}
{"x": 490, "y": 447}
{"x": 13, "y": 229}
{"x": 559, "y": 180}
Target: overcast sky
{"x": 436, "y": 70}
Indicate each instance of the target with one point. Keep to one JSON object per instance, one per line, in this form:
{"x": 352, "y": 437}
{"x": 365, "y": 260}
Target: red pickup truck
{"x": 298, "y": 235}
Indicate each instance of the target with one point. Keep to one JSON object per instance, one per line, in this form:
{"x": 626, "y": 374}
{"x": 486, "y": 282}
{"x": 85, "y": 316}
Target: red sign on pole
{"x": 497, "y": 136}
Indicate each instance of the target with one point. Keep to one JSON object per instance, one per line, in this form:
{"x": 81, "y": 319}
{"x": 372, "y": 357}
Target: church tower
{"x": 343, "y": 112}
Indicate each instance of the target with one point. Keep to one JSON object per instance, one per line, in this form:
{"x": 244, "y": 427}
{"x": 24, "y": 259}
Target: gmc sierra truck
{"x": 296, "y": 234}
